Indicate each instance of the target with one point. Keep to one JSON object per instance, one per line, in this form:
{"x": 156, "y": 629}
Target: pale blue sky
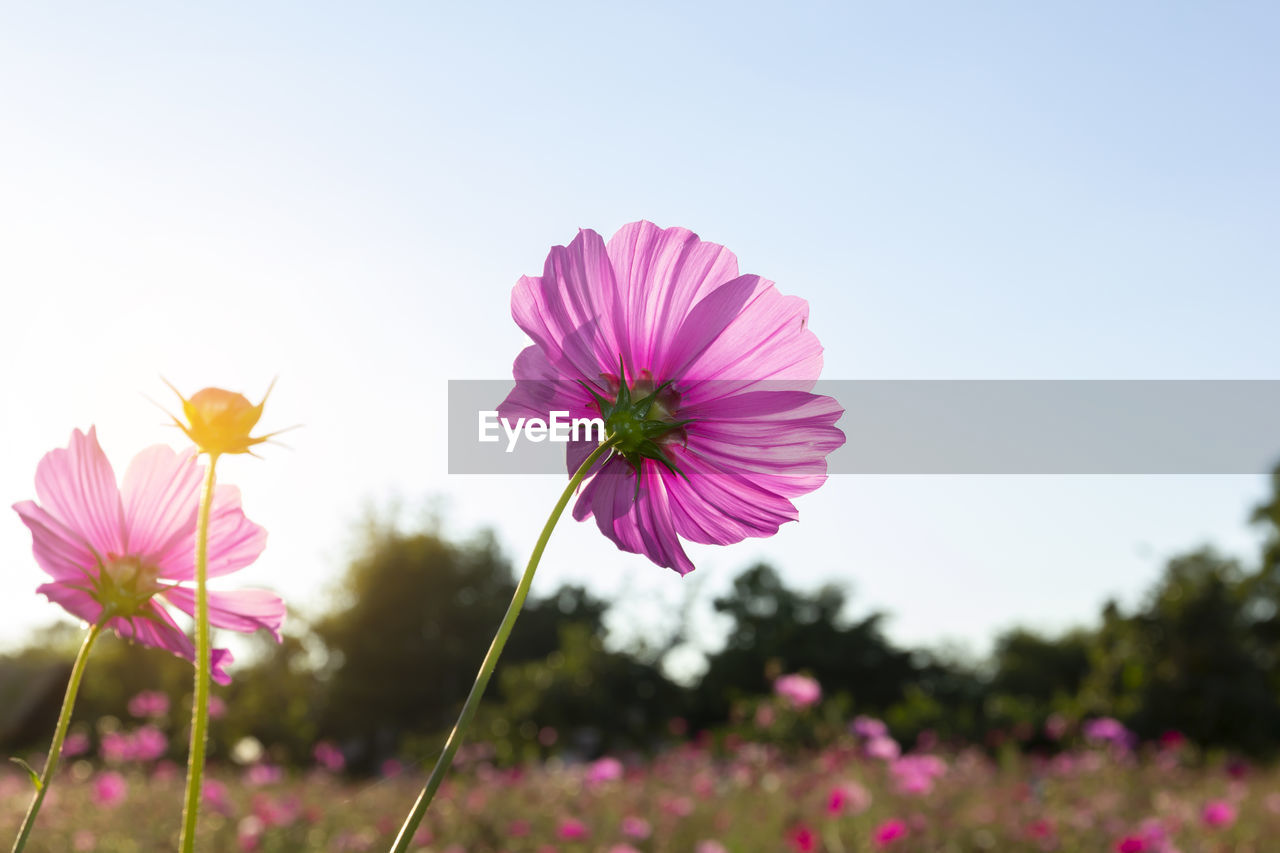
{"x": 344, "y": 195}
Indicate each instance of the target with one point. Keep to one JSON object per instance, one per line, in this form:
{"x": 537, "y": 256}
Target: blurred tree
{"x": 775, "y": 630}
{"x": 414, "y": 618}
{"x": 594, "y": 700}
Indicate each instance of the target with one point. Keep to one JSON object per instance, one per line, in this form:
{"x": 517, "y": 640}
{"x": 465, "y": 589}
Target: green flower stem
{"x": 405, "y": 838}
{"x": 200, "y": 709}
{"x": 59, "y": 734}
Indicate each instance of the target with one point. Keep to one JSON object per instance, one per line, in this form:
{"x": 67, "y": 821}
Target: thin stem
{"x": 59, "y": 734}
{"x": 405, "y": 838}
{"x": 200, "y": 709}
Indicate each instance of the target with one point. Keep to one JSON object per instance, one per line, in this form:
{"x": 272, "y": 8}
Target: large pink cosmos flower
{"x": 127, "y": 548}
{"x": 703, "y": 374}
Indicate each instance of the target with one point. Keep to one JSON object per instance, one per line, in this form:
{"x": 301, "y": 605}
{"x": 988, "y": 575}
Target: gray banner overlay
{"x": 978, "y": 427}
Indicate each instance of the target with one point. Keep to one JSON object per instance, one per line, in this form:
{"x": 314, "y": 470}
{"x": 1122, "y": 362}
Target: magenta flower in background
{"x": 888, "y": 832}
{"x": 77, "y": 743}
{"x": 869, "y": 727}
{"x": 149, "y": 703}
{"x": 328, "y": 756}
{"x": 125, "y": 549}
{"x": 607, "y": 769}
{"x": 109, "y": 789}
{"x": 800, "y": 691}
{"x": 1218, "y": 813}
{"x": 1109, "y": 730}
{"x": 702, "y": 376}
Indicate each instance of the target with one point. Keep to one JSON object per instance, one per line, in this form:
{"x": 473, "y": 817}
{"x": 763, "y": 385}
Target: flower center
{"x": 126, "y": 583}
{"x": 641, "y": 420}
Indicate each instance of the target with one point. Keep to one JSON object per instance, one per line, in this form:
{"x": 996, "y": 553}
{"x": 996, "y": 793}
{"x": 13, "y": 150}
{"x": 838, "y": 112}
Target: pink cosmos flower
{"x": 1218, "y": 813}
{"x": 77, "y": 743}
{"x": 329, "y": 757}
{"x": 109, "y": 789}
{"x": 800, "y": 691}
{"x": 125, "y": 549}
{"x": 702, "y": 376}
{"x": 802, "y": 839}
{"x": 572, "y": 829}
{"x": 848, "y": 798}
{"x": 149, "y": 703}
{"x": 888, "y": 832}
{"x": 636, "y": 827}
{"x": 605, "y": 769}
{"x": 869, "y": 727}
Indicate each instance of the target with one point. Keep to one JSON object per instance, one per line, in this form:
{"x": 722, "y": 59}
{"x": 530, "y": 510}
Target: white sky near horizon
{"x": 343, "y": 197}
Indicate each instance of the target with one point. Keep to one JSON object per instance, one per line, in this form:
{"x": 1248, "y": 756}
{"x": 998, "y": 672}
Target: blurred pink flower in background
{"x": 848, "y": 798}
{"x": 607, "y": 769}
{"x": 263, "y": 774}
{"x": 149, "y": 703}
{"x": 868, "y": 727}
{"x": 916, "y": 774}
{"x": 883, "y": 748}
{"x": 76, "y": 743}
{"x": 1218, "y": 813}
{"x": 888, "y": 832}
{"x": 802, "y": 839}
{"x": 710, "y": 845}
{"x": 328, "y": 756}
{"x": 217, "y": 708}
{"x": 636, "y": 827}
{"x": 800, "y": 691}
{"x": 1109, "y": 730}
{"x": 572, "y": 829}
{"x": 214, "y": 795}
{"x": 109, "y": 789}
{"x": 660, "y": 312}
{"x": 123, "y": 549}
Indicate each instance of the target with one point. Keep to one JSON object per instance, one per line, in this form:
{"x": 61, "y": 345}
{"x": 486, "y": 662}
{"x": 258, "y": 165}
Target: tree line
{"x": 383, "y": 672}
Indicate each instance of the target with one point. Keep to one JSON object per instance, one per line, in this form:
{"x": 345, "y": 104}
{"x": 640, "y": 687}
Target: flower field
{"x": 695, "y": 797}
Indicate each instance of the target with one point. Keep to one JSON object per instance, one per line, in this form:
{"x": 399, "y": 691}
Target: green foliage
{"x": 594, "y": 700}
{"x": 775, "y": 630}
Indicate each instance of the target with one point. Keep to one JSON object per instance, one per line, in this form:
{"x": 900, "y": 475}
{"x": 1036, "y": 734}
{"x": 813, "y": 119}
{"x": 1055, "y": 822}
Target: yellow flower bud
{"x": 219, "y": 421}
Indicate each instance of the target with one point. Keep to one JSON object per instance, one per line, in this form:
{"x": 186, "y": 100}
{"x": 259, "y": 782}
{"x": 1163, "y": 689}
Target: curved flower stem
{"x": 200, "y": 709}
{"x": 59, "y": 734}
{"x": 405, "y": 838}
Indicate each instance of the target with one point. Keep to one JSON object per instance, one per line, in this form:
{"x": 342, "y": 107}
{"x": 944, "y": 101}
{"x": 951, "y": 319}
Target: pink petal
{"x": 157, "y": 629}
{"x": 541, "y": 389}
{"x": 661, "y": 274}
{"x": 62, "y": 553}
{"x": 77, "y": 487}
{"x": 719, "y": 508}
{"x": 161, "y": 492}
{"x": 234, "y": 541}
{"x": 636, "y": 522}
{"x": 572, "y": 312}
{"x": 767, "y": 341}
{"x": 778, "y": 440}
{"x": 244, "y": 610}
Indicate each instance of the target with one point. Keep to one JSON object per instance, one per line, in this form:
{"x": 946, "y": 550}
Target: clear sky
{"x": 342, "y": 195}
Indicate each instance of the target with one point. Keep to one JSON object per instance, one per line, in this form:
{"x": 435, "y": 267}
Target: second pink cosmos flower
{"x": 706, "y": 374}
{"x": 126, "y": 549}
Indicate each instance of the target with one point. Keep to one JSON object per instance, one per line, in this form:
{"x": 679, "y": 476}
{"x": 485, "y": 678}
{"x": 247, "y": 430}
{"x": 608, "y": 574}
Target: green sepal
{"x": 35, "y": 777}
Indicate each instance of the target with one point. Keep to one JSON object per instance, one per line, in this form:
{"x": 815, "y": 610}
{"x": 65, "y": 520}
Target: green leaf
{"x": 35, "y": 777}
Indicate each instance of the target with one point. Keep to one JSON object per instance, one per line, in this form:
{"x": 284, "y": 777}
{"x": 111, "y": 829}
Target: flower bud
{"x": 220, "y": 421}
